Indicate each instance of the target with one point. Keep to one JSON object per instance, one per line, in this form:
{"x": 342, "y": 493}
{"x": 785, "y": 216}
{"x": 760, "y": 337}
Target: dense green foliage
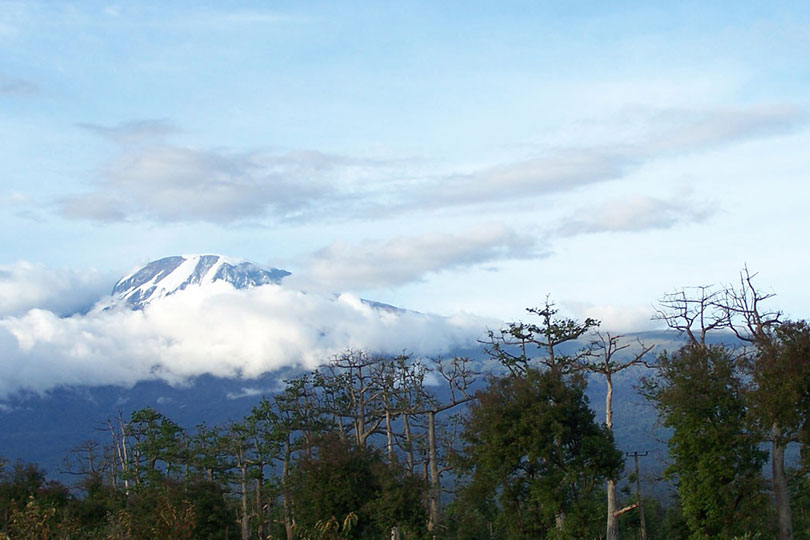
{"x": 715, "y": 458}
{"x": 780, "y": 371}
{"x": 342, "y": 479}
{"x": 532, "y": 444}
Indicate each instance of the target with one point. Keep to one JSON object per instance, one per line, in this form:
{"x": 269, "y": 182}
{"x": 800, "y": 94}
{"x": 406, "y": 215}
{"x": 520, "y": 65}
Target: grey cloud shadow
{"x": 132, "y": 132}
{"x": 18, "y": 87}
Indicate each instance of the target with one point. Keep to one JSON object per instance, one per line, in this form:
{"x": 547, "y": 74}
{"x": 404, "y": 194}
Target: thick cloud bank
{"x": 24, "y": 286}
{"x": 214, "y": 329}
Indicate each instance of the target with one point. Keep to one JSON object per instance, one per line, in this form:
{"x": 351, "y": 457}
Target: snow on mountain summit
{"x": 169, "y": 275}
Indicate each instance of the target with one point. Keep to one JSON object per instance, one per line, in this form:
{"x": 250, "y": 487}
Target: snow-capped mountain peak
{"x": 169, "y": 275}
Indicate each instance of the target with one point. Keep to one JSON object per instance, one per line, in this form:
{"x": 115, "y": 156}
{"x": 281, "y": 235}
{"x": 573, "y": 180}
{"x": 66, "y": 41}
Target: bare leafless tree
{"x": 457, "y": 376}
{"x": 694, "y": 312}
{"x": 601, "y": 357}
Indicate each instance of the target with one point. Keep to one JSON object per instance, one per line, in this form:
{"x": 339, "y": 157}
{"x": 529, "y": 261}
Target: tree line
{"x": 375, "y": 446}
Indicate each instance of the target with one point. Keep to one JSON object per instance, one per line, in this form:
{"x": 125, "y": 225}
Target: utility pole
{"x": 638, "y": 492}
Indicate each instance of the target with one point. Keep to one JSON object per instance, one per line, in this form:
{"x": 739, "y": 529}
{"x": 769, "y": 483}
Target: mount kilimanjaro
{"x": 123, "y": 335}
{"x": 169, "y": 275}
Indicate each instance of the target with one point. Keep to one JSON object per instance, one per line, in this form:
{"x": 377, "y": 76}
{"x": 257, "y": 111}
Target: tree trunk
{"x": 435, "y": 484}
{"x": 612, "y": 519}
{"x": 389, "y": 436}
{"x": 244, "y": 506}
{"x": 285, "y": 493}
{"x": 259, "y": 505}
{"x": 640, "y": 503}
{"x": 408, "y": 442}
{"x": 120, "y": 442}
{"x": 780, "y": 485}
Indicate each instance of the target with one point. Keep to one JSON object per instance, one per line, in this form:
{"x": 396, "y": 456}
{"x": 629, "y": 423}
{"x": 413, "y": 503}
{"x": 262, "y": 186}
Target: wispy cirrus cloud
{"x": 10, "y": 86}
{"x": 168, "y": 183}
{"x": 405, "y": 259}
{"x": 634, "y": 213}
{"x": 154, "y": 180}
{"x": 680, "y": 131}
{"x": 101, "y": 207}
{"x": 560, "y": 170}
{"x": 134, "y": 132}
{"x": 13, "y": 199}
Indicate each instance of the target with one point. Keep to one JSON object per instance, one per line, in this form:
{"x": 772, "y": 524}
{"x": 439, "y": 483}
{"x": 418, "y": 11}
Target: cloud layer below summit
{"x": 214, "y": 329}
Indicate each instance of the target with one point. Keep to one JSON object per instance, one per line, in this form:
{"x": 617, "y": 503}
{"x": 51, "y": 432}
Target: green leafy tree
{"x": 341, "y": 478}
{"x": 532, "y": 445}
{"x": 39, "y": 520}
{"x": 208, "y": 453}
{"x": 159, "y": 446}
{"x": 24, "y": 483}
{"x": 265, "y": 434}
{"x": 780, "y": 369}
{"x": 800, "y": 499}
{"x": 212, "y": 513}
{"x": 520, "y": 345}
{"x": 99, "y": 501}
{"x": 715, "y": 458}
{"x": 303, "y": 415}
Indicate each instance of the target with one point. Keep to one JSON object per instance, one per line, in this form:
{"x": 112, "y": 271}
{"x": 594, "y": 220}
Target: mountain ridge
{"x": 169, "y": 275}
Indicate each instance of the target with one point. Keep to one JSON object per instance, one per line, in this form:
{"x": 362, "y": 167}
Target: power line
{"x": 635, "y": 456}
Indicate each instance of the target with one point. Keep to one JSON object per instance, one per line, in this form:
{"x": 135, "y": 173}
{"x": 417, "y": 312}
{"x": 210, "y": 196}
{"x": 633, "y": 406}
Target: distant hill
{"x": 42, "y": 428}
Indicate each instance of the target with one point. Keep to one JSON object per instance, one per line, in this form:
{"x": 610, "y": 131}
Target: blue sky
{"x": 442, "y": 156}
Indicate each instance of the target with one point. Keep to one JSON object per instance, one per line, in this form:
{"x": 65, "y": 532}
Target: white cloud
{"x": 633, "y": 213}
{"x": 13, "y": 199}
{"x": 158, "y": 181}
{"x": 408, "y": 258}
{"x": 25, "y": 286}
{"x": 137, "y": 131}
{"x": 249, "y": 392}
{"x": 93, "y": 206}
{"x": 559, "y": 170}
{"x": 177, "y": 184}
{"x": 625, "y": 318}
{"x": 658, "y": 134}
{"x": 154, "y": 180}
{"x": 216, "y": 330}
{"x": 681, "y": 131}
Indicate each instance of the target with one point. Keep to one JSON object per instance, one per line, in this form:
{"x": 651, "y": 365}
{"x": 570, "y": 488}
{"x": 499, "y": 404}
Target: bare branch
{"x": 746, "y": 315}
{"x": 694, "y": 311}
